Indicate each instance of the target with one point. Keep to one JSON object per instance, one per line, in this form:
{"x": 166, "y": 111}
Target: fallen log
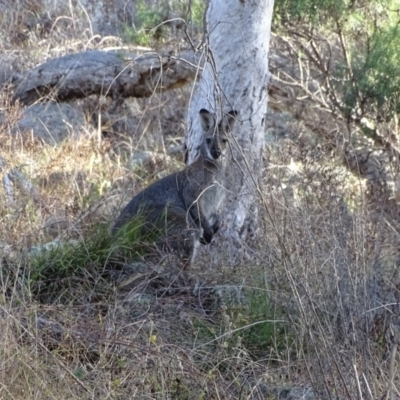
{"x": 109, "y": 73}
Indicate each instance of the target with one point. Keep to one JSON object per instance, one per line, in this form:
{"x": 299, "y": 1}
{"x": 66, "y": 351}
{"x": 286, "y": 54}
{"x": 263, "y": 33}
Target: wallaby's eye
{"x": 208, "y": 140}
{"x": 224, "y": 141}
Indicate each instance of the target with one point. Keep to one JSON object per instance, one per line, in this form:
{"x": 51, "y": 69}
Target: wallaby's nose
{"x": 216, "y": 153}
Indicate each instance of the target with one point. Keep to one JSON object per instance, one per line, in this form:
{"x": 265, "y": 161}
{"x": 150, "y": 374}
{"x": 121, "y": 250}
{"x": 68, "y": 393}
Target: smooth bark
{"x": 235, "y": 77}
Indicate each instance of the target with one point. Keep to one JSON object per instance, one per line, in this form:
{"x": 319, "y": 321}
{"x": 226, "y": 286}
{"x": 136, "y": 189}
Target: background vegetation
{"x": 310, "y": 312}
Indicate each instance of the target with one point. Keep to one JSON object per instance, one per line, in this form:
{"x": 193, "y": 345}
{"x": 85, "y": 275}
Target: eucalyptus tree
{"x": 235, "y": 77}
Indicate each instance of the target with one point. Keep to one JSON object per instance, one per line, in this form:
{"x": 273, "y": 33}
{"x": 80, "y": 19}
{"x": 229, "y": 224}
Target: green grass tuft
{"x": 56, "y": 273}
{"x": 257, "y": 324}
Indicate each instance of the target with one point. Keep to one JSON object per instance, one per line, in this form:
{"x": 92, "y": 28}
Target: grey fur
{"x": 186, "y": 204}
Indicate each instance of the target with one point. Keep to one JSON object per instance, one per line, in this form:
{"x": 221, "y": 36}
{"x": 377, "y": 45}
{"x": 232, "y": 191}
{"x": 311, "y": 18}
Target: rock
{"x": 263, "y": 391}
{"x": 51, "y": 122}
{"x": 40, "y": 249}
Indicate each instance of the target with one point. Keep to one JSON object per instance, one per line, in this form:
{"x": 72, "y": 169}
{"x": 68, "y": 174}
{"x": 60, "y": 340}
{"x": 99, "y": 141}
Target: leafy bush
{"x": 377, "y": 75}
{"x": 153, "y": 21}
{"x": 366, "y": 34}
{"x": 314, "y": 11}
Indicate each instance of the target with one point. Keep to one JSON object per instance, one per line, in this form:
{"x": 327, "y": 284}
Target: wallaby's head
{"x": 215, "y": 143}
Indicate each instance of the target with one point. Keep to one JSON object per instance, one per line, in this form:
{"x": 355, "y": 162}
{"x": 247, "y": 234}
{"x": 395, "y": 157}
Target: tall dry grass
{"x": 311, "y": 313}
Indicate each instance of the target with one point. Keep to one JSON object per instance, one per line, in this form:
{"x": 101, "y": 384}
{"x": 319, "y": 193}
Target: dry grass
{"x": 313, "y": 313}
{"x": 334, "y": 269}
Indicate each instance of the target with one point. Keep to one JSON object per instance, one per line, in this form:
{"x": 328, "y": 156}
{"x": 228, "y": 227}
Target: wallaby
{"x": 185, "y": 204}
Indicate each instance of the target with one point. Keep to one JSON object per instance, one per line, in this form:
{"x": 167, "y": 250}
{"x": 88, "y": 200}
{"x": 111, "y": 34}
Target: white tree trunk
{"x": 235, "y": 77}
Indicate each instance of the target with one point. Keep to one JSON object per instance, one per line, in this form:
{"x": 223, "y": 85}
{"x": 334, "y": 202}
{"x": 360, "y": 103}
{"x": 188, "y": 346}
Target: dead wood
{"x": 114, "y": 74}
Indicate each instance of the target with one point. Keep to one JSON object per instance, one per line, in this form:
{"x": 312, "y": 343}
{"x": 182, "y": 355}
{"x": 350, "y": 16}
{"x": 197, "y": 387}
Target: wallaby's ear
{"x": 229, "y": 120}
{"x": 207, "y": 120}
